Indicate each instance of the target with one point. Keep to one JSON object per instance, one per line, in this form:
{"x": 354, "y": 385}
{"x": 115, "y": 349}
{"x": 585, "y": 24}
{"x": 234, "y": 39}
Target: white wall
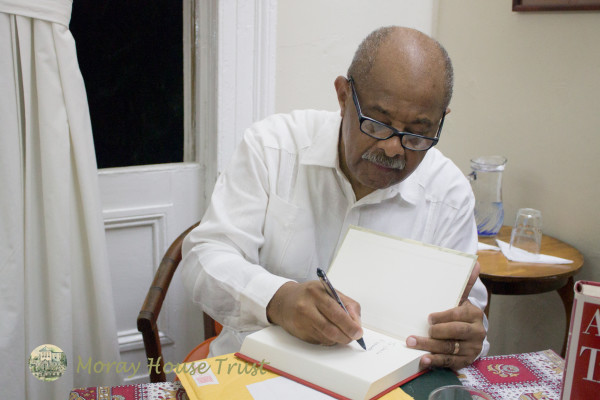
{"x": 316, "y": 41}
{"x": 527, "y": 86}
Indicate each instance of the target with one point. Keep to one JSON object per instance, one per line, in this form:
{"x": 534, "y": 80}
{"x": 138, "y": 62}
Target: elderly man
{"x": 297, "y": 181}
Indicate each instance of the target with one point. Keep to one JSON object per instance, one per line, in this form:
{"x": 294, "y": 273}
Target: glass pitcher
{"x": 486, "y": 182}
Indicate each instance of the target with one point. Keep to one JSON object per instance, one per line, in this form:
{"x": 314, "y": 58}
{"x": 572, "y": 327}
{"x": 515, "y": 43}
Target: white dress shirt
{"x": 283, "y": 205}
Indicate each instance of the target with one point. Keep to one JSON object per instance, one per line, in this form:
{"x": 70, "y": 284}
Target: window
{"x": 131, "y": 58}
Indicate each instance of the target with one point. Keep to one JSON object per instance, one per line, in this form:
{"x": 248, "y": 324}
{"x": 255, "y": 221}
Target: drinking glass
{"x": 527, "y": 231}
{"x": 458, "y": 392}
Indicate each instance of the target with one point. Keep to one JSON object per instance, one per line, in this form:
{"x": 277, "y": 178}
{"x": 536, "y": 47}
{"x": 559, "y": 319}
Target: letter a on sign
{"x": 595, "y": 323}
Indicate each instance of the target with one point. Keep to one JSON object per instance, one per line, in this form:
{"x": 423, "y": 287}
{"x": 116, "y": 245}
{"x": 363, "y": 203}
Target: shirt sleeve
{"x": 220, "y": 265}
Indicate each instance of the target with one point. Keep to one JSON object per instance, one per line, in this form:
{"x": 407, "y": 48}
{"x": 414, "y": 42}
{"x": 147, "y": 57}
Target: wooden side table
{"x": 501, "y": 276}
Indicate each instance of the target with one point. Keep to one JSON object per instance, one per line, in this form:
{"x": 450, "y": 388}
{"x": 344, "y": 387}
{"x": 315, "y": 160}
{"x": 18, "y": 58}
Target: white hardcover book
{"x": 398, "y": 283}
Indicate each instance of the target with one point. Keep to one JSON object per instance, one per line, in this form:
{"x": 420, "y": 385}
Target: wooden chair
{"x": 146, "y": 320}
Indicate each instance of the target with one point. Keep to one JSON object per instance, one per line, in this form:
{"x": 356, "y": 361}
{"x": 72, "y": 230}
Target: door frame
{"x": 236, "y": 46}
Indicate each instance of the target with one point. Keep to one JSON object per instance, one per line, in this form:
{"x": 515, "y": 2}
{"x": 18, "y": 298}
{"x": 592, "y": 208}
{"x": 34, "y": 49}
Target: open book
{"x": 398, "y": 283}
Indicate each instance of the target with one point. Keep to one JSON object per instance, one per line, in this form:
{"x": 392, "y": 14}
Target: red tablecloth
{"x": 144, "y": 391}
{"x": 527, "y": 376}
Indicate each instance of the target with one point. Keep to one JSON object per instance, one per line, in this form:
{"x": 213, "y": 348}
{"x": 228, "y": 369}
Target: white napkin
{"x": 519, "y": 255}
{"x": 485, "y": 246}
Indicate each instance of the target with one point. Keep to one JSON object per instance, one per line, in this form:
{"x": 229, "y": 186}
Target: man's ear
{"x": 447, "y": 111}
{"x": 342, "y": 89}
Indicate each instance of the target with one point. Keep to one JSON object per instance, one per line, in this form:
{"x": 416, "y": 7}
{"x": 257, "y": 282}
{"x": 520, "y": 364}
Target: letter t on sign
{"x": 591, "y": 363}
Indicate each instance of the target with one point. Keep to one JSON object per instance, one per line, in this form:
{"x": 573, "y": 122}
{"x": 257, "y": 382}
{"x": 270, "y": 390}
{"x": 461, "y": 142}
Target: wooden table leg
{"x": 566, "y": 294}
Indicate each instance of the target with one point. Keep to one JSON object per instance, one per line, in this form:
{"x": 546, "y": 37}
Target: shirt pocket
{"x": 289, "y": 246}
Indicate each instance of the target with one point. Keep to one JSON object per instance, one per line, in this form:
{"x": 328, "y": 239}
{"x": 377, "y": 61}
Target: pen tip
{"x": 362, "y": 343}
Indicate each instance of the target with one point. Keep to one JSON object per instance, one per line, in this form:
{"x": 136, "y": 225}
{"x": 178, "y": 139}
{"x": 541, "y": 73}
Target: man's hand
{"x": 455, "y": 336}
{"x": 306, "y": 311}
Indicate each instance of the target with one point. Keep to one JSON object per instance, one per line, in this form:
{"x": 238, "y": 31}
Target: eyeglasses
{"x": 380, "y": 131}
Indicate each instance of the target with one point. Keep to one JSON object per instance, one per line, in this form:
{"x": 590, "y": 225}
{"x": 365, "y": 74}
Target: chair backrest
{"x": 148, "y": 316}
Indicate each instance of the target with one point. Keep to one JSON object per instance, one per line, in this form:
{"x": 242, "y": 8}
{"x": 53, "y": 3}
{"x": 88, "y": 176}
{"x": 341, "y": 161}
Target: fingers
{"x": 454, "y": 354}
{"x": 335, "y": 324}
{"x": 334, "y": 314}
{"x": 471, "y": 282}
{"x": 305, "y": 310}
{"x": 352, "y": 306}
{"x": 466, "y": 312}
{"x": 455, "y": 338}
{"x": 445, "y": 361}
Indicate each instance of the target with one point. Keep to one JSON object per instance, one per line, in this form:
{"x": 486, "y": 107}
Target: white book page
{"x": 283, "y": 388}
{"x": 399, "y": 282}
{"x": 590, "y": 290}
{"x": 345, "y": 369}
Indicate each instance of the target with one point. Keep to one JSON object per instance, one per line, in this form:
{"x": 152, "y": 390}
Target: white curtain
{"x": 54, "y": 275}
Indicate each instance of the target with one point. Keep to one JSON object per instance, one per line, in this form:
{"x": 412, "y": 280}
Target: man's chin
{"x": 386, "y": 177}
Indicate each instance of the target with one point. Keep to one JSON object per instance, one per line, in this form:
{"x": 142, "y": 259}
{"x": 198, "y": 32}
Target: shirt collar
{"x": 412, "y": 188}
{"x": 323, "y": 150}
{"x": 404, "y": 191}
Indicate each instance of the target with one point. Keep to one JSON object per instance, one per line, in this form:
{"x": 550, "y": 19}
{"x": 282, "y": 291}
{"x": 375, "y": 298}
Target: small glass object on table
{"x": 527, "y": 231}
{"x": 458, "y": 392}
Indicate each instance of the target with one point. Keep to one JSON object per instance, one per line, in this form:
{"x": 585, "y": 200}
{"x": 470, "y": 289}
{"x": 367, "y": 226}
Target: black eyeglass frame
{"x": 395, "y": 132}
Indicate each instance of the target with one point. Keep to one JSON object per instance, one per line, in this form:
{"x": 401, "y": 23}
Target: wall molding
{"x": 129, "y": 218}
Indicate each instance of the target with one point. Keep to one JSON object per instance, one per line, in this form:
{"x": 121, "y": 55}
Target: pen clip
{"x": 329, "y": 288}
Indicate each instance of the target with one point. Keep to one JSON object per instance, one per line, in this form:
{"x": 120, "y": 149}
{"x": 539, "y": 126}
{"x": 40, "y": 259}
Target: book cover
{"x": 582, "y": 369}
{"x": 393, "y": 279}
{"x": 221, "y": 377}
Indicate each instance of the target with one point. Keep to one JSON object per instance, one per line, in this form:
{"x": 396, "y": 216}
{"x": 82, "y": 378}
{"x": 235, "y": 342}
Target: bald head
{"x": 409, "y": 52}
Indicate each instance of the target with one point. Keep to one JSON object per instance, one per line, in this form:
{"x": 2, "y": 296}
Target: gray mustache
{"x": 384, "y": 161}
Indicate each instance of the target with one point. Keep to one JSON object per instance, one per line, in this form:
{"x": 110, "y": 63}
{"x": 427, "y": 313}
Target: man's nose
{"x": 392, "y": 147}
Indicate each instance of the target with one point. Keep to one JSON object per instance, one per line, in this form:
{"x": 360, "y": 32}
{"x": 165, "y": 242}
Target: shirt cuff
{"x": 257, "y": 295}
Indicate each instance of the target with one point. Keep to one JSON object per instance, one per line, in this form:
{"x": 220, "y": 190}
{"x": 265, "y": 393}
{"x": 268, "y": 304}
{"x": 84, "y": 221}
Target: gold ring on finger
{"x": 456, "y": 347}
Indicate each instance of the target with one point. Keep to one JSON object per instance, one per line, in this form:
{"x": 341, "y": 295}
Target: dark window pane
{"x": 131, "y": 57}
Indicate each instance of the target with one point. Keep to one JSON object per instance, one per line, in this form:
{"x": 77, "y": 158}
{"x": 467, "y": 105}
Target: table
{"x": 501, "y": 276}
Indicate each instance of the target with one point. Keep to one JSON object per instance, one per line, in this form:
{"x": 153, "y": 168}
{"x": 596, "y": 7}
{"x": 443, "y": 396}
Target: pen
{"x": 331, "y": 291}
